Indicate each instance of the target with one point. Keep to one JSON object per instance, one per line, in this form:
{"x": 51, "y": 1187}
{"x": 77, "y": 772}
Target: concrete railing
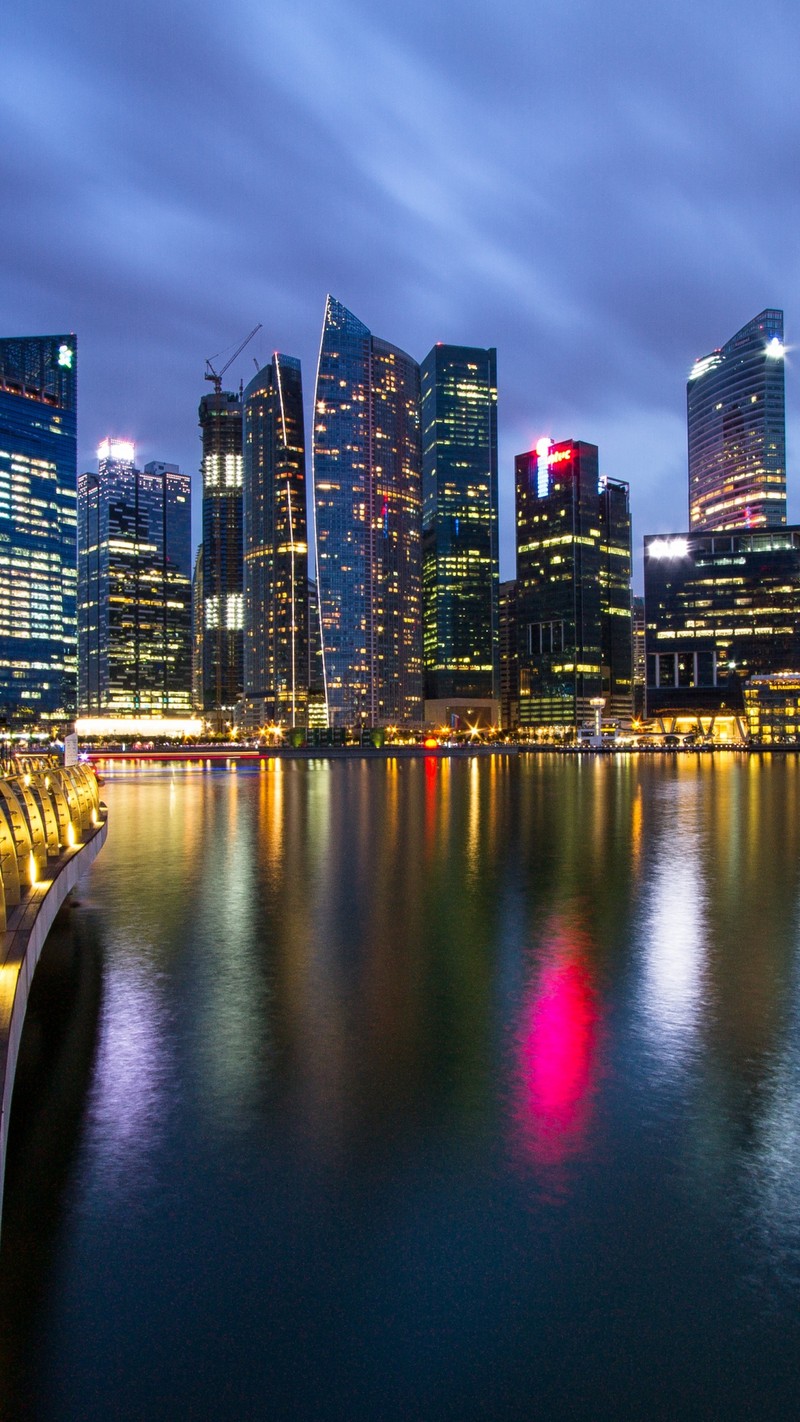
{"x": 52, "y": 826}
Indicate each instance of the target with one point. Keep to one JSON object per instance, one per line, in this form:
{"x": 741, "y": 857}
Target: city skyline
{"x": 450, "y": 219}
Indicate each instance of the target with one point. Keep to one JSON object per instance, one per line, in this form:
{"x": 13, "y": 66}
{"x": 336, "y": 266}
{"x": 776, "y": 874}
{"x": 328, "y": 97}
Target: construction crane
{"x": 215, "y": 376}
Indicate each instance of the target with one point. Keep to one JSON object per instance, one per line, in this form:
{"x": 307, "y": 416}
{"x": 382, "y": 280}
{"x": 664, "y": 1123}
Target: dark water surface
{"x": 431, "y": 1090}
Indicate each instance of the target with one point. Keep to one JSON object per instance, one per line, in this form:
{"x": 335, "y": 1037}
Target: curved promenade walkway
{"x": 52, "y": 826}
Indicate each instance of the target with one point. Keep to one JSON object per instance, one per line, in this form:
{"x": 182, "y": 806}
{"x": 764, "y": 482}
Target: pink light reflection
{"x": 557, "y": 1052}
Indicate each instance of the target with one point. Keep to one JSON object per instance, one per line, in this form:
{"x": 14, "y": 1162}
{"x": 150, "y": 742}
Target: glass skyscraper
{"x": 223, "y": 555}
{"x": 616, "y": 600}
{"x": 460, "y": 565}
{"x": 737, "y": 434}
{"x": 38, "y": 466}
{"x": 275, "y": 545}
{"x": 573, "y": 587}
{"x": 509, "y": 654}
{"x": 134, "y": 587}
{"x": 368, "y": 512}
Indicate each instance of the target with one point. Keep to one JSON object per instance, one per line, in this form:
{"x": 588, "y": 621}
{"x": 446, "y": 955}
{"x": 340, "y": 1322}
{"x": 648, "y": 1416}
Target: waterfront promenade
{"x": 52, "y": 826}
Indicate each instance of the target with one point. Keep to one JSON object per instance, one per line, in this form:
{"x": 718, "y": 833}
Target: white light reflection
{"x": 674, "y": 967}
{"x": 775, "y": 1165}
{"x": 132, "y": 1083}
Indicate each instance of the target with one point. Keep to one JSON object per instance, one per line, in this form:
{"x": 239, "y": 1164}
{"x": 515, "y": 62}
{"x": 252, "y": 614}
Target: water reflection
{"x": 557, "y": 1047}
{"x": 132, "y": 1084}
{"x": 672, "y": 985}
{"x": 340, "y": 995}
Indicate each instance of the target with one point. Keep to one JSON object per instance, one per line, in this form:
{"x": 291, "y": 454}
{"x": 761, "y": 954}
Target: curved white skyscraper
{"x": 737, "y": 430}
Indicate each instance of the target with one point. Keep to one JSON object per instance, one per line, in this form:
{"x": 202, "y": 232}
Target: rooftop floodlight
{"x": 668, "y": 548}
{"x": 123, "y": 449}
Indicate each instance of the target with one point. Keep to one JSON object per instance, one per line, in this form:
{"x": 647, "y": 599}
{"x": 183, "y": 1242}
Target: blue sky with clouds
{"x": 604, "y": 193}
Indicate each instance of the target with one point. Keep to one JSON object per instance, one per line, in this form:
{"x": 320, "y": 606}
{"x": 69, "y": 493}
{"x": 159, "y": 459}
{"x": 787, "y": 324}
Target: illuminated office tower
{"x": 639, "y": 661}
{"x": 616, "y": 600}
{"x": 197, "y": 632}
{"x": 275, "y": 546}
{"x": 509, "y": 654}
{"x": 460, "y": 568}
{"x": 737, "y": 431}
{"x": 368, "y": 511}
{"x": 223, "y": 553}
{"x": 719, "y": 608}
{"x": 573, "y": 588}
{"x": 38, "y": 389}
{"x": 134, "y": 587}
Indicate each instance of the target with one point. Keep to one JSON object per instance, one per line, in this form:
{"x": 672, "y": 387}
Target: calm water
{"x": 427, "y": 1090}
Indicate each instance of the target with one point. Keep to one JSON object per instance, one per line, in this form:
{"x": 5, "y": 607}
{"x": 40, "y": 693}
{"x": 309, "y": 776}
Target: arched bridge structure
{"x": 52, "y": 825}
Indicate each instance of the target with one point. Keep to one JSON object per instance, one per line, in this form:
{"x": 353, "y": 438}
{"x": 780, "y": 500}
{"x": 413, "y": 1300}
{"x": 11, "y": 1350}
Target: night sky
{"x": 602, "y": 192}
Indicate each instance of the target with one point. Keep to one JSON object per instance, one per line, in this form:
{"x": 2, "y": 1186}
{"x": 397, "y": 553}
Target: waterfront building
{"x": 573, "y": 588}
{"x": 772, "y": 704}
{"x": 616, "y": 617}
{"x": 275, "y": 546}
{"x": 134, "y": 588}
{"x": 38, "y": 467}
{"x": 639, "y": 661}
{"x": 460, "y": 568}
{"x": 509, "y": 654}
{"x": 197, "y": 633}
{"x": 720, "y": 608}
{"x": 223, "y": 561}
{"x": 317, "y": 710}
{"x": 368, "y": 512}
{"x": 737, "y": 431}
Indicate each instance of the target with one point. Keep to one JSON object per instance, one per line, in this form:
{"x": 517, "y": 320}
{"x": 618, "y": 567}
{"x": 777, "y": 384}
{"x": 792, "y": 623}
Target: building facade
{"x": 38, "y": 468}
{"x": 134, "y": 588}
{"x": 275, "y": 546}
{"x": 368, "y": 515}
{"x": 719, "y": 608}
{"x": 223, "y": 556}
{"x": 616, "y": 600}
{"x": 198, "y": 619}
{"x": 639, "y": 659}
{"x": 460, "y": 564}
{"x": 772, "y": 704}
{"x": 737, "y": 431}
{"x": 573, "y": 588}
{"x": 509, "y": 654}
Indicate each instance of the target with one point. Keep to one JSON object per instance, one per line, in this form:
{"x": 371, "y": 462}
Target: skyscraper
{"x": 223, "y": 551}
{"x": 38, "y": 390}
{"x": 368, "y": 511}
{"x": 573, "y": 587}
{"x": 275, "y": 545}
{"x": 509, "y": 654}
{"x": 616, "y": 600}
{"x": 459, "y": 540}
{"x": 198, "y": 618}
{"x": 736, "y": 426}
{"x": 134, "y": 587}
